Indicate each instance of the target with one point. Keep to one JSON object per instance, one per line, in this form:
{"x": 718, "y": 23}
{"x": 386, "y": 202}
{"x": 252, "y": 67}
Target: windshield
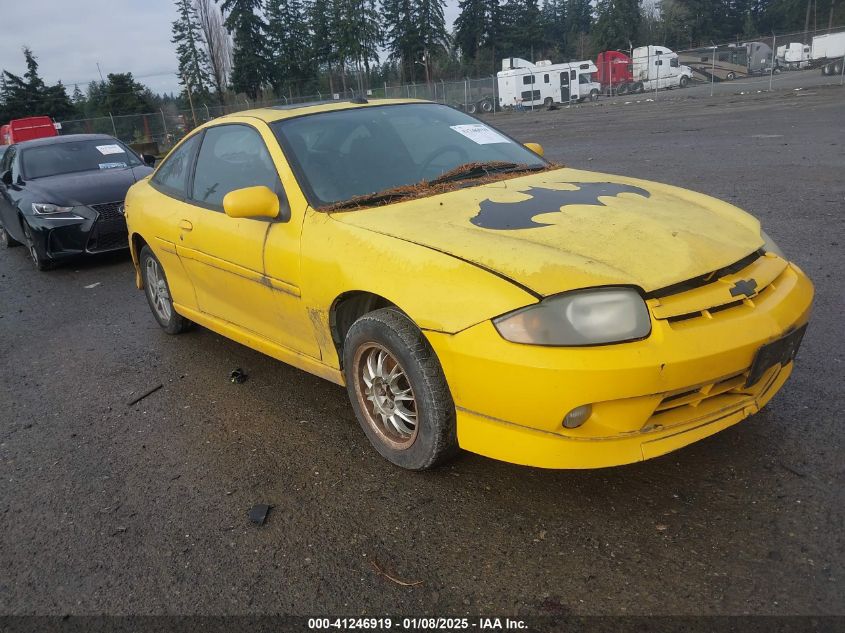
{"x": 76, "y": 156}
{"x": 346, "y": 154}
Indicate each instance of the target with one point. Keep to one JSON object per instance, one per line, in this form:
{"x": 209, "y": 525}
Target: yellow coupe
{"x": 468, "y": 293}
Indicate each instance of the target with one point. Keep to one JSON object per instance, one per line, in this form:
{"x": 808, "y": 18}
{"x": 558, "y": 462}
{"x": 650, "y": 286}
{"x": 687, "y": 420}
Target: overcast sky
{"x": 122, "y": 35}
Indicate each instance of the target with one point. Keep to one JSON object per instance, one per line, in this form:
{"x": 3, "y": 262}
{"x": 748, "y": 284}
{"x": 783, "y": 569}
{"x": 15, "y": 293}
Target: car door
{"x": 235, "y": 277}
{"x": 165, "y": 211}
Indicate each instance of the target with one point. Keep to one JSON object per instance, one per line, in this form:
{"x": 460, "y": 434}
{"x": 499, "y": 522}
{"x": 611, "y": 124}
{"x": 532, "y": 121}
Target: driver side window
{"x": 231, "y": 157}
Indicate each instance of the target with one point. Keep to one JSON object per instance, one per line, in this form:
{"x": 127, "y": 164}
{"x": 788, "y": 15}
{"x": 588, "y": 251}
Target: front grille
{"x": 109, "y": 210}
{"x": 109, "y": 231}
{"x": 714, "y": 398}
{"x": 709, "y": 296}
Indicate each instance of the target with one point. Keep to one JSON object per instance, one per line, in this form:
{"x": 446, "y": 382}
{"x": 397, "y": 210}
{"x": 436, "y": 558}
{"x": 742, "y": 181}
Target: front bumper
{"x": 684, "y": 382}
{"x": 59, "y": 237}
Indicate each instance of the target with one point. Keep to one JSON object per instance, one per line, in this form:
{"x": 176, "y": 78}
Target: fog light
{"x": 577, "y": 416}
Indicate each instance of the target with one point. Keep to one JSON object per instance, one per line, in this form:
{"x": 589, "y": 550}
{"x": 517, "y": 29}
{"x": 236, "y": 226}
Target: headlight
{"x": 769, "y": 245}
{"x": 584, "y": 317}
{"x": 45, "y": 208}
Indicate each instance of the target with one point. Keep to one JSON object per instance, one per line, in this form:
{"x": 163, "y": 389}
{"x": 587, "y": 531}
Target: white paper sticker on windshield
{"x": 105, "y": 150}
{"x": 480, "y": 133}
{"x": 113, "y": 165}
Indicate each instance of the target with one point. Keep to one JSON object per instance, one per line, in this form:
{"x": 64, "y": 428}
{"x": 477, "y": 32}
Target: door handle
{"x": 185, "y": 225}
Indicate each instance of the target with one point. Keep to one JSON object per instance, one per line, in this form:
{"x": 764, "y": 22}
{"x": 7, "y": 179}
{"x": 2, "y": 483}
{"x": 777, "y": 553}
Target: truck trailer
{"x": 27, "y": 129}
{"x": 542, "y": 84}
{"x": 828, "y": 53}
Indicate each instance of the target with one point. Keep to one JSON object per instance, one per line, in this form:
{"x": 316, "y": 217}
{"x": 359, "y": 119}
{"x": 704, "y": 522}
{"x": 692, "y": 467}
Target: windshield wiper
{"x": 478, "y": 170}
{"x": 379, "y": 197}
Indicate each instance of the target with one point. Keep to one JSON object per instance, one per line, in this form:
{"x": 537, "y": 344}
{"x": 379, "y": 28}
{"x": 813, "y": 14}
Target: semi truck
{"x": 27, "y": 129}
{"x": 793, "y": 56}
{"x": 543, "y": 83}
{"x": 658, "y": 67}
{"x": 648, "y": 68}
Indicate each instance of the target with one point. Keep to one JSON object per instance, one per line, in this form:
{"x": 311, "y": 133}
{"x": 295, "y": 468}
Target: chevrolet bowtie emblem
{"x": 744, "y": 287}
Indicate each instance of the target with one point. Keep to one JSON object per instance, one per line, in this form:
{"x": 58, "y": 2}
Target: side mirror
{"x": 149, "y": 160}
{"x": 7, "y": 177}
{"x": 252, "y": 202}
{"x": 535, "y": 147}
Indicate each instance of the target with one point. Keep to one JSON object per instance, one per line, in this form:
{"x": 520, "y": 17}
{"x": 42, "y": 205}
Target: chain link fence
{"x": 777, "y": 61}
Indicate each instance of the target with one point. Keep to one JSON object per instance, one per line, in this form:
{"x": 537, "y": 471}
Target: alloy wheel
{"x": 385, "y": 396}
{"x": 157, "y": 290}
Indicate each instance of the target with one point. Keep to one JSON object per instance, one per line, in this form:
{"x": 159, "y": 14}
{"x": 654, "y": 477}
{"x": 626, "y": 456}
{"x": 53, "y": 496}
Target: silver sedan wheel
{"x": 385, "y": 396}
{"x": 157, "y": 290}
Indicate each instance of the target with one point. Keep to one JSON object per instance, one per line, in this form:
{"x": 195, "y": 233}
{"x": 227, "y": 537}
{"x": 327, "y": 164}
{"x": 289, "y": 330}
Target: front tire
{"x": 684, "y": 81}
{"x": 41, "y": 264}
{"x": 158, "y": 295}
{"x": 398, "y": 391}
{"x": 6, "y": 240}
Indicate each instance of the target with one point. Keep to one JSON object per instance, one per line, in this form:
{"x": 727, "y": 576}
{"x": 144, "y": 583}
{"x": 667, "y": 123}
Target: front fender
{"x": 436, "y": 290}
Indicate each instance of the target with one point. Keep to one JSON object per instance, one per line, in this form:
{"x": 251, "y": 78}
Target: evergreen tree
{"x": 579, "y": 15}
{"x": 402, "y": 37}
{"x": 323, "y": 37}
{"x": 249, "y": 69}
{"x": 471, "y": 27}
{"x": 288, "y": 43}
{"x": 554, "y": 27}
{"x": 617, "y": 24}
{"x": 28, "y": 95}
{"x": 194, "y": 72}
{"x": 358, "y": 34}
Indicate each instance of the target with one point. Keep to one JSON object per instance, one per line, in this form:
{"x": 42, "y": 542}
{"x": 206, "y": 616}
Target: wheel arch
{"x": 136, "y": 243}
{"x": 347, "y": 308}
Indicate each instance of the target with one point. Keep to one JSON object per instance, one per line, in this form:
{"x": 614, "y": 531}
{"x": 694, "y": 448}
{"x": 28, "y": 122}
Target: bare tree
{"x": 218, "y": 44}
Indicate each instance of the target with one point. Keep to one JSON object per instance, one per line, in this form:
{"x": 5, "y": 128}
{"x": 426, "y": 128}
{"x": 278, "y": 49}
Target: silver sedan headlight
{"x": 770, "y": 246}
{"x": 584, "y": 317}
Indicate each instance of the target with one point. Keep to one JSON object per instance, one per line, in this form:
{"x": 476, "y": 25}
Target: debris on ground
{"x": 92, "y": 286}
{"x": 238, "y": 376}
{"x": 144, "y": 395}
{"x": 258, "y": 513}
{"x": 382, "y": 572}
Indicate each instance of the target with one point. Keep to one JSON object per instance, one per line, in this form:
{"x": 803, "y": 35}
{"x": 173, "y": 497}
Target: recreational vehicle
{"x": 726, "y": 63}
{"x": 523, "y": 84}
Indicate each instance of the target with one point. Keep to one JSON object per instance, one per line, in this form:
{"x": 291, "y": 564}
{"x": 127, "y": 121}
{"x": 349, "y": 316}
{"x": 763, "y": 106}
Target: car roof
{"x": 67, "y": 138}
{"x": 277, "y": 113}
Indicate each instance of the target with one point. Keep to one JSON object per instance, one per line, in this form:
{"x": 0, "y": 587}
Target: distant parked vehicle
{"x": 63, "y": 196}
{"x": 615, "y": 73}
{"x": 726, "y": 63}
{"x": 28, "y": 129}
{"x": 793, "y": 56}
{"x": 545, "y": 83}
{"x": 658, "y": 67}
{"x": 828, "y": 53}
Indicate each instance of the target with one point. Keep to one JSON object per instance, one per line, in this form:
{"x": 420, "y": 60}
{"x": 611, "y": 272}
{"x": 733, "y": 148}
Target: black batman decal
{"x": 507, "y": 216}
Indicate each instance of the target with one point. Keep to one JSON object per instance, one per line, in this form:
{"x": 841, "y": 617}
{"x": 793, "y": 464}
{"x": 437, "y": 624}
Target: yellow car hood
{"x": 566, "y": 229}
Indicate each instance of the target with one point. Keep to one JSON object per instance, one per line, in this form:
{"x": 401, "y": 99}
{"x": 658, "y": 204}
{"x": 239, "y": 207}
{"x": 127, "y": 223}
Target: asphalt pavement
{"x": 107, "y": 508}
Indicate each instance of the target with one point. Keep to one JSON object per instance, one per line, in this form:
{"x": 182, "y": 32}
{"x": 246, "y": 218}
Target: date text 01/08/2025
{"x": 418, "y": 624}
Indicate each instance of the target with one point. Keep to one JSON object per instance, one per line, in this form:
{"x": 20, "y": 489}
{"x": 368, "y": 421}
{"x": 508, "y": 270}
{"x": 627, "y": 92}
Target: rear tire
{"x": 472, "y": 108}
{"x": 486, "y": 106}
{"x": 398, "y": 391}
{"x": 6, "y": 240}
{"x": 548, "y": 102}
{"x": 730, "y": 76}
{"x": 622, "y": 89}
{"x": 157, "y": 291}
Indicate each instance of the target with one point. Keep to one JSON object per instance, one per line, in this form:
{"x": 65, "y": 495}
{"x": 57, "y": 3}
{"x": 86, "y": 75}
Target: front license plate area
{"x": 779, "y": 352}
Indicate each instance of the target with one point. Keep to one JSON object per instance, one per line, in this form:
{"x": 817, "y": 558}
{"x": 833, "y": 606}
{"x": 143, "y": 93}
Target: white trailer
{"x": 828, "y": 52}
{"x": 657, "y": 67}
{"x": 794, "y": 56}
{"x": 542, "y": 84}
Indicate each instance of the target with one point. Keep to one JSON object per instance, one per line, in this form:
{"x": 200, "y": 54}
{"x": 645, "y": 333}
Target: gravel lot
{"x": 107, "y": 508}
